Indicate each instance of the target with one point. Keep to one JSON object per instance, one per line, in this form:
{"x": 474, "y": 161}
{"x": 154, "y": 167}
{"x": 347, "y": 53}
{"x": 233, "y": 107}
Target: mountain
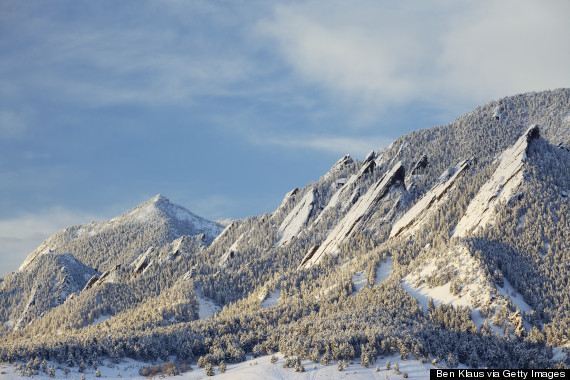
{"x": 119, "y": 240}
{"x": 449, "y": 246}
{"x": 112, "y": 252}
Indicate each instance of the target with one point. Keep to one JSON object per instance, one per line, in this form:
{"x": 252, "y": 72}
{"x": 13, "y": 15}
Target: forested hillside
{"x": 450, "y": 246}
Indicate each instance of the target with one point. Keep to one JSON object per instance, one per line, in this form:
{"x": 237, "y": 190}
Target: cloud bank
{"x": 391, "y": 53}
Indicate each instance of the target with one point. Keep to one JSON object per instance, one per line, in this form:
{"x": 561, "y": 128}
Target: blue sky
{"x": 224, "y": 106}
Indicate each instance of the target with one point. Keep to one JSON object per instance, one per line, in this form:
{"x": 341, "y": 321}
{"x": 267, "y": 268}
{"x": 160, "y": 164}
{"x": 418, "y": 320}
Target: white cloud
{"x": 166, "y": 53}
{"x": 392, "y": 53}
{"x": 339, "y": 145}
{"x": 20, "y": 235}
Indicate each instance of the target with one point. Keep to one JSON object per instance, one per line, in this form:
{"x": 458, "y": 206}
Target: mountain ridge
{"x": 350, "y": 261}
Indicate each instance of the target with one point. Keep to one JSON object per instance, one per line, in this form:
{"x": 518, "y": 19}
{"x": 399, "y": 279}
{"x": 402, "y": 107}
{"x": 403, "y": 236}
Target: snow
{"x": 342, "y": 162}
{"x": 259, "y": 368}
{"x": 365, "y": 206}
{"x": 497, "y": 112}
{"x": 297, "y": 218}
{"x": 367, "y": 165}
{"x": 232, "y": 250}
{"x": 340, "y": 182}
{"x": 206, "y": 306}
{"x": 384, "y": 270}
{"x": 264, "y": 370}
{"x": 101, "y": 318}
{"x": 359, "y": 280}
{"x": 333, "y": 201}
{"x": 325, "y": 292}
{"x": 272, "y": 299}
{"x": 252, "y": 369}
{"x": 430, "y": 202}
{"x": 401, "y": 149}
{"x": 159, "y": 208}
{"x": 228, "y": 228}
{"x": 128, "y": 368}
{"x": 503, "y": 184}
{"x": 475, "y": 290}
{"x": 290, "y": 195}
{"x": 560, "y": 354}
{"x": 509, "y": 291}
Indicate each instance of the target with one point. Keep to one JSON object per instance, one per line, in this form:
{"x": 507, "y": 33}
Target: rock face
{"x": 430, "y": 202}
{"x": 356, "y": 217}
{"x": 421, "y": 164}
{"x": 297, "y": 218}
{"x": 339, "y": 165}
{"x": 417, "y": 171}
{"x": 142, "y": 262}
{"x": 290, "y": 195}
{"x": 368, "y": 166}
{"x": 500, "y": 188}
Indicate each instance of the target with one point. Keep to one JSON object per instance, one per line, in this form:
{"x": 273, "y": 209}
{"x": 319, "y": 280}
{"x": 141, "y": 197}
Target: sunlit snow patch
{"x": 206, "y": 307}
{"x": 100, "y": 319}
{"x": 384, "y": 270}
{"x": 271, "y": 298}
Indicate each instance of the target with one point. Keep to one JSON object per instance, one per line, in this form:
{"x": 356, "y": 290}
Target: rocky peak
{"x": 502, "y": 185}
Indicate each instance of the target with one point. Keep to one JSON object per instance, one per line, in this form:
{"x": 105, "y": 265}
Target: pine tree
{"x": 209, "y": 369}
{"x": 222, "y": 367}
{"x": 397, "y": 369}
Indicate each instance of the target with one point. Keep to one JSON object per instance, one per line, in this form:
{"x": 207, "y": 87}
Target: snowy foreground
{"x": 253, "y": 369}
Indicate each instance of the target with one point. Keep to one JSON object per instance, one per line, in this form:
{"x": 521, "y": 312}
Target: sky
{"x": 225, "y": 106}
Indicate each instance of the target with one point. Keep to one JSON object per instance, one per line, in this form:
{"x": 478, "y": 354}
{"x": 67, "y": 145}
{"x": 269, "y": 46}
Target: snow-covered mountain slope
{"x": 349, "y": 187}
{"x": 144, "y": 238}
{"x": 287, "y": 198}
{"x": 357, "y": 216}
{"x": 159, "y": 208}
{"x": 500, "y": 292}
{"x": 42, "y": 285}
{"x": 119, "y": 240}
{"x": 456, "y": 278}
{"x": 339, "y": 165}
{"x": 500, "y": 188}
{"x": 417, "y": 215}
{"x": 297, "y": 218}
{"x": 416, "y": 172}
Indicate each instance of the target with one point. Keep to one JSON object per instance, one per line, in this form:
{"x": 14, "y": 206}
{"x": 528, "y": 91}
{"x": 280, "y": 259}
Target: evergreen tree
{"x": 209, "y": 369}
{"x": 397, "y": 369}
